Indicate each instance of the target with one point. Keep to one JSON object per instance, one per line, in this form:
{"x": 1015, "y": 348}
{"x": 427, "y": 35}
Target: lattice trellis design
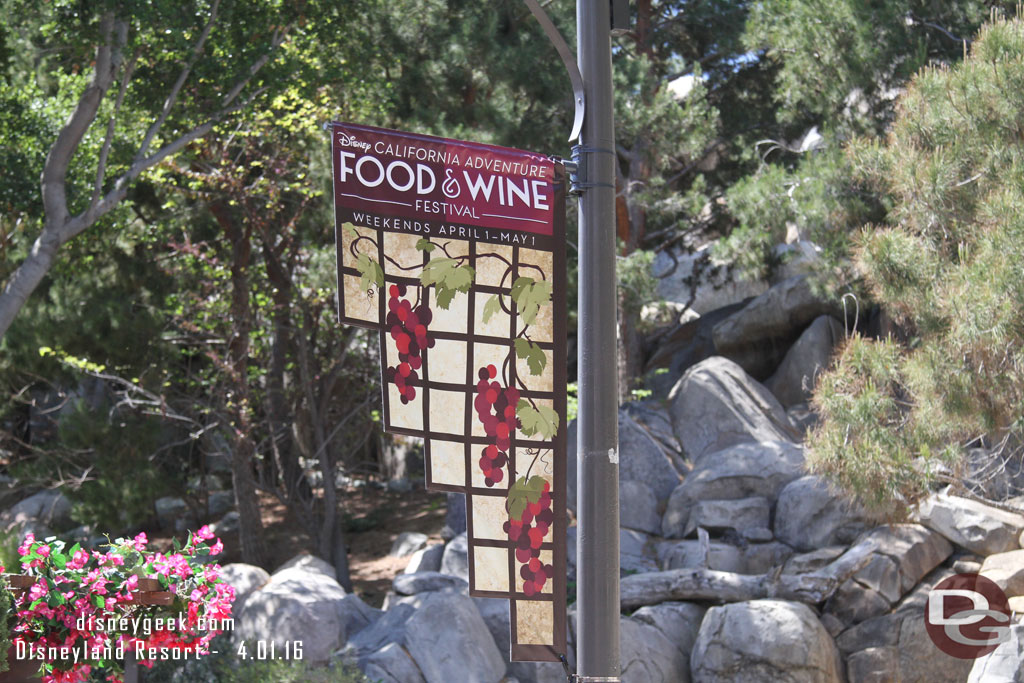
{"x": 470, "y": 308}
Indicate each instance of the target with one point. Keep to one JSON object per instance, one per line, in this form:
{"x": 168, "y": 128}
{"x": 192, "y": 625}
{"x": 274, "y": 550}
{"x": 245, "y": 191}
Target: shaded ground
{"x": 373, "y": 520}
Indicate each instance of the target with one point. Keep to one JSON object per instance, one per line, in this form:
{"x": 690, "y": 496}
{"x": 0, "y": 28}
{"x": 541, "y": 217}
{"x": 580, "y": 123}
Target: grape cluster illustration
{"x": 408, "y": 328}
{"x": 528, "y": 532}
{"x": 496, "y": 409}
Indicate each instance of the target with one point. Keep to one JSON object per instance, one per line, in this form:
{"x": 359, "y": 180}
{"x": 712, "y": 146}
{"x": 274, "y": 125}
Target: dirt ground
{"x": 373, "y": 520}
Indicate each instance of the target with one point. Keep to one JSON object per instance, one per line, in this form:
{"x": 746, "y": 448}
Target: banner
{"x": 455, "y": 253}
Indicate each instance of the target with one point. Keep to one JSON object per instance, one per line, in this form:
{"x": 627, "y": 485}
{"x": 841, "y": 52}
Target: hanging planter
{"x": 71, "y": 598}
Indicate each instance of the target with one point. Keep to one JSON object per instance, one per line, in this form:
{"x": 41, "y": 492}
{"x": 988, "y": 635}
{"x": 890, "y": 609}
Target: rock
{"x": 882, "y": 575}
{"x": 356, "y": 615}
{"x": 805, "y": 563}
{"x": 635, "y": 553}
{"x": 722, "y": 515}
{"x": 41, "y": 513}
{"x": 761, "y": 558}
{"x": 916, "y": 550}
{"x": 777, "y": 316}
{"x": 874, "y": 665}
{"x": 455, "y": 560}
{"x": 802, "y": 416}
{"x": 455, "y": 516}
{"x": 921, "y": 662}
{"x": 389, "y": 628}
{"x": 648, "y": 656}
{"x": 401, "y": 485}
{"x": 1016, "y": 604}
{"x": 853, "y": 603}
{"x": 1007, "y": 570}
{"x": 652, "y": 415}
{"x": 426, "y": 560}
{"x": 173, "y": 514}
{"x": 300, "y": 603}
{"x": 716, "y": 405}
{"x": 392, "y": 664}
{"x": 679, "y": 622}
{"x": 735, "y": 638}
{"x": 794, "y": 379}
{"x": 219, "y": 502}
{"x": 963, "y": 566}
{"x": 980, "y": 528}
{"x": 449, "y": 641}
{"x": 1003, "y": 665}
{"x": 227, "y": 524}
{"x": 308, "y": 563}
{"x": 244, "y": 578}
{"x": 683, "y": 347}
{"x": 641, "y": 458}
{"x": 740, "y": 471}
{"x": 720, "y": 556}
{"x": 407, "y": 543}
{"x": 696, "y": 276}
{"x": 637, "y": 507}
{"x": 809, "y": 515}
{"x": 422, "y": 582}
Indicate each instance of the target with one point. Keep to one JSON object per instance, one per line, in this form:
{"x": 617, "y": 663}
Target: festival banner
{"x": 455, "y": 253}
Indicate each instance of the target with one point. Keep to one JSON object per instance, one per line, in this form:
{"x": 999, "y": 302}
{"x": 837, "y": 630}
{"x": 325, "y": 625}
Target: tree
{"x": 946, "y": 264}
{"x": 162, "y": 75}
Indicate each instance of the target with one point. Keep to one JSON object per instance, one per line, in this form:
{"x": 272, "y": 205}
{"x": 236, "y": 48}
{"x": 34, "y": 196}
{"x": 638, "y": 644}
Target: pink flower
{"x": 43, "y": 551}
{"x": 140, "y": 541}
{"x": 205, "y": 533}
{"x": 217, "y": 548}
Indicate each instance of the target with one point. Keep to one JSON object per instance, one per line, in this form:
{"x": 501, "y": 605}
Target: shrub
{"x": 949, "y": 266}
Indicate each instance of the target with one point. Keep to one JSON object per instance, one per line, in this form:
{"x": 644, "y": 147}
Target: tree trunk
{"x": 238, "y": 405}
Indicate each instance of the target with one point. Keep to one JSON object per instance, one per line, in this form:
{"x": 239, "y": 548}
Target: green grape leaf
{"x": 448, "y": 277}
{"x": 370, "y": 271}
{"x": 540, "y": 420}
{"x": 492, "y": 306}
{"x": 532, "y": 354}
{"x": 350, "y": 229}
{"x": 423, "y": 244}
{"x": 529, "y": 296}
{"x": 522, "y": 493}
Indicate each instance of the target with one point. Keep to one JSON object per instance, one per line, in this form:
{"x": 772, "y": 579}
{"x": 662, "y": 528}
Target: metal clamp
{"x": 578, "y": 175}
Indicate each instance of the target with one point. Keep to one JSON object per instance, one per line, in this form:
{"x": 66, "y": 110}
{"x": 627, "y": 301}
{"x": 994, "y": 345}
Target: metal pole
{"x": 597, "y": 423}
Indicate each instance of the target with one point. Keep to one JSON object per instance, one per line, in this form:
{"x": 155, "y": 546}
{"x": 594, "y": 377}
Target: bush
{"x": 949, "y": 266}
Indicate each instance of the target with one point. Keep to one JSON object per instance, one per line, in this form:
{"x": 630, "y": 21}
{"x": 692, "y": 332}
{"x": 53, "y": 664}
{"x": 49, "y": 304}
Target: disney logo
{"x": 346, "y": 140}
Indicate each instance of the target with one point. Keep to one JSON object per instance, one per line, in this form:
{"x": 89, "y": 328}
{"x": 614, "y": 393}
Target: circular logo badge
{"x": 967, "y": 616}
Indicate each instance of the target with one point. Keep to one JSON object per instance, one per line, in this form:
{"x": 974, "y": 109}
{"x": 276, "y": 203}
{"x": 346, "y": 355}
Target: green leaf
{"x": 529, "y": 296}
{"x": 448, "y": 277}
{"x": 492, "y": 306}
{"x": 350, "y": 229}
{"x": 74, "y": 549}
{"x": 423, "y": 244}
{"x": 370, "y": 271}
{"x": 532, "y": 354}
{"x": 60, "y": 560}
{"x": 523, "y": 492}
{"x": 540, "y": 420}
{"x": 98, "y": 601}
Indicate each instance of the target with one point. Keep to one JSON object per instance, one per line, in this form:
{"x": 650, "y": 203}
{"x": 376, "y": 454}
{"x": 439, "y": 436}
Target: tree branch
{"x": 182, "y": 77}
{"x": 101, "y": 165}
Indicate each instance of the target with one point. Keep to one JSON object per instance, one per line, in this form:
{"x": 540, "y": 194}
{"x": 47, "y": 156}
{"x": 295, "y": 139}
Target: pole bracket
{"x": 575, "y": 77}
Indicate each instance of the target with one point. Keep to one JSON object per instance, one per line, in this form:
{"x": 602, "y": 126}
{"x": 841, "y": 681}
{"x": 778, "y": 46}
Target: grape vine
{"x": 408, "y": 327}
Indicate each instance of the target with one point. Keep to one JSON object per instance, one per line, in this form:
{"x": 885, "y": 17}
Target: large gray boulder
{"x": 309, "y": 563}
{"x": 426, "y": 559}
{"x": 1006, "y": 570}
{"x": 740, "y": 471}
{"x": 424, "y": 582}
{"x": 716, "y": 555}
{"x": 407, "y": 543}
{"x": 678, "y": 622}
{"x": 244, "y": 578}
{"x": 809, "y": 515}
{"x": 1005, "y": 664}
{"x": 41, "y": 513}
{"x": 392, "y": 664}
{"x": 641, "y": 458}
{"x": 455, "y": 560}
{"x": 299, "y": 603}
{"x": 716, "y": 405}
{"x": 777, "y": 316}
{"x": 794, "y": 379}
{"x": 638, "y": 508}
{"x": 722, "y": 515}
{"x": 449, "y": 641}
{"x": 698, "y": 279}
{"x": 764, "y": 640}
{"x": 636, "y": 553}
{"x": 648, "y": 656}
{"x": 980, "y": 528}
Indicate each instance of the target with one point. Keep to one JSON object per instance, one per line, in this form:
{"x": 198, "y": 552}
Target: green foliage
{"x": 636, "y": 284}
{"x": 539, "y": 419}
{"x": 448, "y": 277}
{"x": 119, "y": 464}
{"x": 532, "y": 354}
{"x": 949, "y": 266}
{"x": 522, "y": 493}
